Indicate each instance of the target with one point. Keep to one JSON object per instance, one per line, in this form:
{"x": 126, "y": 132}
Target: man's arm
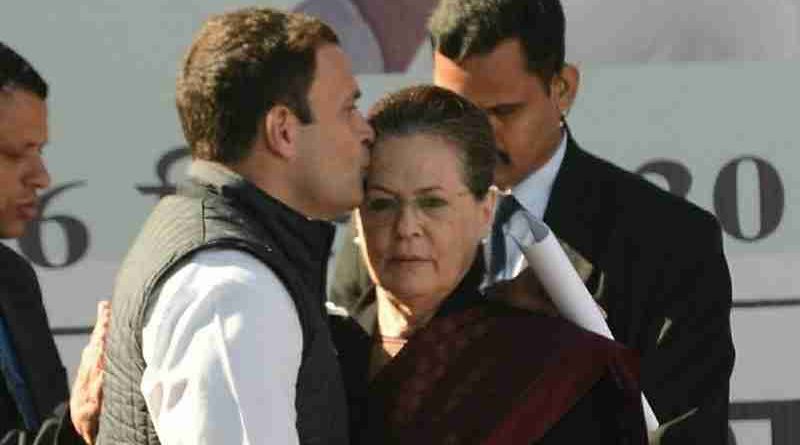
{"x": 86, "y": 397}
{"x": 688, "y": 362}
{"x": 223, "y": 346}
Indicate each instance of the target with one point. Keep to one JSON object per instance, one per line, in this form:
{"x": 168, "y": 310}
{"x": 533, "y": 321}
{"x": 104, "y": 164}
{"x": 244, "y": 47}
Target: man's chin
{"x": 342, "y": 212}
{"x": 12, "y": 230}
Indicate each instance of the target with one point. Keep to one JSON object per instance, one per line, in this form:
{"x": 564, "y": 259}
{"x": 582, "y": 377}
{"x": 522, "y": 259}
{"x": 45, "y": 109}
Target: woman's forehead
{"x": 414, "y": 163}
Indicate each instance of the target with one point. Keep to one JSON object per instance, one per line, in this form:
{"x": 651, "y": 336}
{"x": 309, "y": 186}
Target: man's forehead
{"x": 332, "y": 64}
{"x": 6, "y": 102}
{"x": 16, "y": 99}
{"x": 484, "y": 88}
{"x": 23, "y": 119}
{"x": 333, "y": 75}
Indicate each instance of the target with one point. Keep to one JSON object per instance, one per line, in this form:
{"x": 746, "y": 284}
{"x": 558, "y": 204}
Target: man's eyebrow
{"x": 505, "y": 107}
{"x": 37, "y": 145}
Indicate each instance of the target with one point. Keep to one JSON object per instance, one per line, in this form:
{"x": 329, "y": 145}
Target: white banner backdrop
{"x": 699, "y": 96}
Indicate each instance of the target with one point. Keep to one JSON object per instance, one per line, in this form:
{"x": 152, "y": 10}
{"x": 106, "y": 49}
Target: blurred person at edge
{"x": 34, "y": 388}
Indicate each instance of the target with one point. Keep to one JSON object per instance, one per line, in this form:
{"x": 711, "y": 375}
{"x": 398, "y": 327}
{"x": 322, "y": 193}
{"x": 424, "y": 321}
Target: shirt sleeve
{"x": 222, "y": 349}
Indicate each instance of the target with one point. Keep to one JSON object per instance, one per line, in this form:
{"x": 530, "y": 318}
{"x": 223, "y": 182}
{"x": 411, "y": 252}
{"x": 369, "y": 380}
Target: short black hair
{"x": 463, "y": 28}
{"x": 18, "y": 73}
{"x": 240, "y": 65}
{"x": 435, "y": 111}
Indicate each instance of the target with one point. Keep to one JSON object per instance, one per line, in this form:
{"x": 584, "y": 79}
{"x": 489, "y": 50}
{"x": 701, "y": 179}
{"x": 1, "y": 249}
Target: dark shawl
{"x": 485, "y": 373}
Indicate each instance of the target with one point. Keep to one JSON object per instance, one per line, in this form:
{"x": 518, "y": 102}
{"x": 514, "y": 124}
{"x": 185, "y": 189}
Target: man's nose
{"x": 38, "y": 176}
{"x": 366, "y": 132}
{"x": 496, "y": 128}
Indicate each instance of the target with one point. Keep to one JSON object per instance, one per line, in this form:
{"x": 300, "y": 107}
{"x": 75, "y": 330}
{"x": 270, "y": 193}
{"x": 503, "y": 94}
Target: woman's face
{"x": 420, "y": 223}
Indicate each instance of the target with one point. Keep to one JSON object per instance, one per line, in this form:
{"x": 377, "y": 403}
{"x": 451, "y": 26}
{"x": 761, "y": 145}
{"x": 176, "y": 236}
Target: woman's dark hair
{"x": 431, "y": 110}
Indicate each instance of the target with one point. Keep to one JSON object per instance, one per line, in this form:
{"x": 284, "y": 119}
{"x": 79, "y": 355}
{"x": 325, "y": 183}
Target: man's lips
{"x": 28, "y": 210}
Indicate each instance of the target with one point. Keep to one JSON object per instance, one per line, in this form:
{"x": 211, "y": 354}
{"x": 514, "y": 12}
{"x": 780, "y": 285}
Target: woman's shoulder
{"x": 529, "y": 328}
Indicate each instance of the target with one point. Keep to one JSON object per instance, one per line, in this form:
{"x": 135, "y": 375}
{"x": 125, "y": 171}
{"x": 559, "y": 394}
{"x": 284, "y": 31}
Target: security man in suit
{"x": 658, "y": 265}
{"x": 33, "y": 390}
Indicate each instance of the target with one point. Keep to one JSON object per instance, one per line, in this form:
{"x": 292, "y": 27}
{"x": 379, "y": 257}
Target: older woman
{"x": 435, "y": 363}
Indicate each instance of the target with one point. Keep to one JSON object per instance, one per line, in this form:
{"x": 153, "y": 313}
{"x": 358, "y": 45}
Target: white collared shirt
{"x": 533, "y": 194}
{"x": 222, "y": 349}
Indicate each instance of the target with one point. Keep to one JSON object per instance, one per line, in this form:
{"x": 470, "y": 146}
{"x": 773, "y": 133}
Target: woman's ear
{"x": 280, "y": 131}
{"x": 564, "y": 88}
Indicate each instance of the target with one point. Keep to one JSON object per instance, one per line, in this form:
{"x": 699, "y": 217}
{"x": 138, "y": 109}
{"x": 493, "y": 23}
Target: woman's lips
{"x": 409, "y": 259}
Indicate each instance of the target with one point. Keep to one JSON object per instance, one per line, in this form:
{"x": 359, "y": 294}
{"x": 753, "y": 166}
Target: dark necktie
{"x": 12, "y": 373}
{"x": 508, "y": 205}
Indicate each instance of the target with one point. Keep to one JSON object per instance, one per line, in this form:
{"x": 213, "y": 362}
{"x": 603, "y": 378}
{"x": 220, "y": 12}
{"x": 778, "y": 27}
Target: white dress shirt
{"x": 533, "y": 194}
{"x": 222, "y": 348}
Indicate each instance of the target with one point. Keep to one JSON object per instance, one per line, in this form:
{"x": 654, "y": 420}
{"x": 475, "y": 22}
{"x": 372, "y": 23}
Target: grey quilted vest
{"x": 219, "y": 209}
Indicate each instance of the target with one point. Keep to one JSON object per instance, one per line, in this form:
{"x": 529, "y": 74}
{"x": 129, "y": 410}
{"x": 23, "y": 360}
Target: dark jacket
{"x": 666, "y": 287}
{"x": 24, "y": 314}
{"x": 219, "y": 209}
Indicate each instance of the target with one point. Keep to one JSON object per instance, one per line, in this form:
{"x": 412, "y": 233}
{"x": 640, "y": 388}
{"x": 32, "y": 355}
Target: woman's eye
{"x": 380, "y": 204}
{"x": 431, "y": 202}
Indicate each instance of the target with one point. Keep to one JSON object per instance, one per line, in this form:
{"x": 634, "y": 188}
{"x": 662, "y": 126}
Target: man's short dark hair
{"x": 240, "y": 65}
{"x": 18, "y": 73}
{"x": 435, "y": 111}
{"x": 463, "y": 28}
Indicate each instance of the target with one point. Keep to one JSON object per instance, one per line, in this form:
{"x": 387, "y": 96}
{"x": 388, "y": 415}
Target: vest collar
{"x": 300, "y": 238}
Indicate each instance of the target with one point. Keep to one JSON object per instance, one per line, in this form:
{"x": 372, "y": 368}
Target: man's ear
{"x": 281, "y": 128}
{"x": 487, "y": 210}
{"x": 564, "y": 87}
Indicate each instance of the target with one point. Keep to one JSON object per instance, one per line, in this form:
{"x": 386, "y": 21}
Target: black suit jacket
{"x": 665, "y": 285}
{"x": 24, "y": 314}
